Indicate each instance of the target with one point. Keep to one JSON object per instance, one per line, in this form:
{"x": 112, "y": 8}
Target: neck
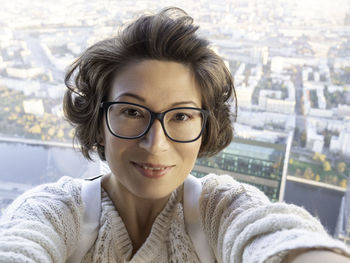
{"x": 138, "y": 214}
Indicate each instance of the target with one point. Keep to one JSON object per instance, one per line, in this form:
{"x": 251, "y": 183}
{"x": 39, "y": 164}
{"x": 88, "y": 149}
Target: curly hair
{"x": 169, "y": 35}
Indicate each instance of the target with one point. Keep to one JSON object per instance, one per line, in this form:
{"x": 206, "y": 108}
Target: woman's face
{"x": 152, "y": 166}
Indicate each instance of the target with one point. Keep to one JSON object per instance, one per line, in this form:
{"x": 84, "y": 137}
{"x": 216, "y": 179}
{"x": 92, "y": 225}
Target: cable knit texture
{"x": 241, "y": 224}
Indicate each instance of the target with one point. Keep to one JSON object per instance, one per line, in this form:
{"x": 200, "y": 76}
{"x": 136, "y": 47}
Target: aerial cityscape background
{"x": 290, "y": 61}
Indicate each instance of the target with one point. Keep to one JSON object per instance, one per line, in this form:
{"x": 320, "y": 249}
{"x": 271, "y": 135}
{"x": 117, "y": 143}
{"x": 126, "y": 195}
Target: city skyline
{"x": 289, "y": 60}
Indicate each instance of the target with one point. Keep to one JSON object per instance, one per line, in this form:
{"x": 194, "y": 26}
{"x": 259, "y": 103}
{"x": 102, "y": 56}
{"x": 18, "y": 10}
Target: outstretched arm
{"x": 242, "y": 225}
{"x": 43, "y": 224}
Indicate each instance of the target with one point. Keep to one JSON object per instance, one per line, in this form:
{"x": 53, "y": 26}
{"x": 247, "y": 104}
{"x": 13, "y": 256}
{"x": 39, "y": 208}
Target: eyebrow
{"x": 179, "y": 103}
{"x": 139, "y": 98}
{"x": 126, "y": 94}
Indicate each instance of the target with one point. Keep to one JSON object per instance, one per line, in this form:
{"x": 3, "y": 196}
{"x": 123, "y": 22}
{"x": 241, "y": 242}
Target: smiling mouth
{"x": 152, "y": 170}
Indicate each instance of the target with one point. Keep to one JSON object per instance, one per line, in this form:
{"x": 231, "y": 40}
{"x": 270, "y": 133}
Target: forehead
{"x": 157, "y": 83}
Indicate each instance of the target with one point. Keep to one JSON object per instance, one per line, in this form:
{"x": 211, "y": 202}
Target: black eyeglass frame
{"x": 154, "y": 115}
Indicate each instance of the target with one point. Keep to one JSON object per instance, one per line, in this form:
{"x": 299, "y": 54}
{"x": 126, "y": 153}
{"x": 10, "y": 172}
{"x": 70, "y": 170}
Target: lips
{"x": 152, "y": 170}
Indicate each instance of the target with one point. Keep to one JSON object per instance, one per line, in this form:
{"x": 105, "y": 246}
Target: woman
{"x": 150, "y": 101}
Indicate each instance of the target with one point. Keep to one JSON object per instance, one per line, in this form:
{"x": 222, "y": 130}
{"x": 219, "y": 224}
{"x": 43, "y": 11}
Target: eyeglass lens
{"x": 130, "y": 121}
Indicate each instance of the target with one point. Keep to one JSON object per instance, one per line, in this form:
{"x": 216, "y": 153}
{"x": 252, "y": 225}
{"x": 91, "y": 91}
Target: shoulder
{"x": 65, "y": 192}
{"x": 224, "y": 197}
{"x": 225, "y": 185}
{"x": 48, "y": 218}
{"x": 238, "y": 198}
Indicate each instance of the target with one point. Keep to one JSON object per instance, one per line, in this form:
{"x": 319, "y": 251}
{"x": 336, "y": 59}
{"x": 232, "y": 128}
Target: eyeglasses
{"x": 131, "y": 121}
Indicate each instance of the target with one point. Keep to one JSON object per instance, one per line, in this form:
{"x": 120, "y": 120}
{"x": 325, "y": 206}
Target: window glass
{"x": 290, "y": 61}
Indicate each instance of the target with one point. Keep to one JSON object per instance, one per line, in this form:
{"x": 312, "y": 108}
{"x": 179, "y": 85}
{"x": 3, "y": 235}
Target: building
{"x": 23, "y": 73}
{"x": 272, "y": 100}
{"x": 341, "y": 143}
{"x": 264, "y": 95}
{"x": 319, "y": 199}
{"x": 34, "y": 106}
{"x": 342, "y": 230}
{"x": 244, "y": 95}
{"x": 261, "y": 164}
{"x": 277, "y": 64}
{"x": 343, "y": 111}
{"x": 281, "y": 106}
{"x": 314, "y": 141}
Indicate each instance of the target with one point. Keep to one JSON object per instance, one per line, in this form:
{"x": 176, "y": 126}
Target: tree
{"x": 322, "y": 158}
{"x": 334, "y": 180}
{"x": 343, "y": 183}
{"x": 51, "y": 131}
{"x": 341, "y": 167}
{"x": 60, "y": 134}
{"x": 317, "y": 178}
{"x": 308, "y": 174}
{"x": 35, "y": 129}
{"x": 316, "y": 156}
{"x": 326, "y": 166}
{"x": 319, "y": 157}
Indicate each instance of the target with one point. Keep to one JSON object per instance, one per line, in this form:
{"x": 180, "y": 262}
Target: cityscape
{"x": 290, "y": 61}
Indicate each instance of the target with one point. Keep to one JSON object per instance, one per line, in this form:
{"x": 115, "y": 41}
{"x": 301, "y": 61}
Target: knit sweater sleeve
{"x": 43, "y": 224}
{"x": 242, "y": 225}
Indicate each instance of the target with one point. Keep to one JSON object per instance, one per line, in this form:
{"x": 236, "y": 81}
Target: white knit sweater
{"x": 43, "y": 225}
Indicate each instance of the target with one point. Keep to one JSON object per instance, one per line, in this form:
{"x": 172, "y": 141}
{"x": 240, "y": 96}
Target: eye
{"x": 181, "y": 116}
{"x": 131, "y": 112}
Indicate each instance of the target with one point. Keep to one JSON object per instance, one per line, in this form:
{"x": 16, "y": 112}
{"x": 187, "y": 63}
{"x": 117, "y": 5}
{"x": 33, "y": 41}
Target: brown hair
{"x": 170, "y": 36}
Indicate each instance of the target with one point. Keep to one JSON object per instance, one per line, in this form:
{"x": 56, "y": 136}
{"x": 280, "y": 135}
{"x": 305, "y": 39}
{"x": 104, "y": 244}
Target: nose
{"x": 155, "y": 141}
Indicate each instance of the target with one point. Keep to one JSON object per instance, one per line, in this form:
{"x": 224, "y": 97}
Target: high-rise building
{"x": 261, "y": 164}
{"x": 342, "y": 230}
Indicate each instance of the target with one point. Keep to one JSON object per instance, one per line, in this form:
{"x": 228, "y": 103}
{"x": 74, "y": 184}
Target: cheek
{"x": 110, "y": 142}
{"x": 198, "y": 144}
{"x": 113, "y": 147}
{"x": 191, "y": 150}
